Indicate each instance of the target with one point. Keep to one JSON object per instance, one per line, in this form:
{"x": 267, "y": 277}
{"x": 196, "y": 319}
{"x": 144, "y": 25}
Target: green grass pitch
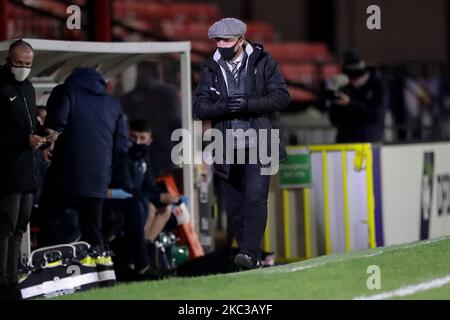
{"x": 413, "y": 271}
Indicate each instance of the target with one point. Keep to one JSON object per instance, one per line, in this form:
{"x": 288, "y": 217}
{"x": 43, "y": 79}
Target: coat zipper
{"x": 29, "y": 115}
{"x": 32, "y": 132}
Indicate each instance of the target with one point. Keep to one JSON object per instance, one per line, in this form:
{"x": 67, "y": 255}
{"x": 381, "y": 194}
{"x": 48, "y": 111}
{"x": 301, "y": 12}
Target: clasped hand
{"x": 237, "y": 104}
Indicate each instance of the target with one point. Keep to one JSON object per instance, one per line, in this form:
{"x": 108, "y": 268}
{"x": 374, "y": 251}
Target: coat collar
{"x": 6, "y": 74}
{"x": 254, "y": 52}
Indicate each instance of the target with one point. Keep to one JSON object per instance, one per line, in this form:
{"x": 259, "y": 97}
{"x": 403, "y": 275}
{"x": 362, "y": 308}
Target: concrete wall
{"x": 288, "y": 17}
{"x": 412, "y": 30}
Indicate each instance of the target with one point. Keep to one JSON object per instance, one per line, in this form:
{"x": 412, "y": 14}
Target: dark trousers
{"x": 246, "y": 192}
{"x": 15, "y": 212}
{"x": 135, "y": 214}
{"x": 54, "y": 205}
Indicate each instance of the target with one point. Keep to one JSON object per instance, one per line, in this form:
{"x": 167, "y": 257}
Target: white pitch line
{"x": 379, "y": 251}
{"x": 409, "y": 290}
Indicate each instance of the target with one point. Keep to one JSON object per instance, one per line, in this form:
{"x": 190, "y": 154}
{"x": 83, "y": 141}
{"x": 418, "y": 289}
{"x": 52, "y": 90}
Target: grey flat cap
{"x": 227, "y": 28}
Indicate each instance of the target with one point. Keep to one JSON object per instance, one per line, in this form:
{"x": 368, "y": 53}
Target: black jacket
{"x": 93, "y": 132}
{"x": 17, "y": 121}
{"x": 363, "y": 119}
{"x": 266, "y": 92}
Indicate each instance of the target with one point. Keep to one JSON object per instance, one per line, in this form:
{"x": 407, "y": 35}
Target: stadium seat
{"x": 193, "y": 31}
{"x": 330, "y": 70}
{"x": 301, "y": 95}
{"x": 299, "y": 51}
{"x": 309, "y": 73}
{"x": 181, "y": 21}
{"x": 260, "y": 32}
{"x": 181, "y": 12}
{"x": 56, "y": 7}
{"x": 304, "y": 73}
{"x": 203, "y": 46}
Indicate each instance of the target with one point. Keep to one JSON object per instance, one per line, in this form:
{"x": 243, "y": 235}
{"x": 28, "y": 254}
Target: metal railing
{"x": 363, "y": 162}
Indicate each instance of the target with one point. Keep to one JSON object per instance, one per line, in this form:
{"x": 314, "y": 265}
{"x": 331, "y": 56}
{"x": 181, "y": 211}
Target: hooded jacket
{"x": 266, "y": 92}
{"x": 92, "y": 132}
{"x": 17, "y": 121}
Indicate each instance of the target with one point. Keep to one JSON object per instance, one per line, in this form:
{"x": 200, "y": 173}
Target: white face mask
{"x": 20, "y": 73}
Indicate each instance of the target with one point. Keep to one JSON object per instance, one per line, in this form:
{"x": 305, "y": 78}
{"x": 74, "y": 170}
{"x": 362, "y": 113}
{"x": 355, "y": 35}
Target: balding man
{"x": 18, "y": 147}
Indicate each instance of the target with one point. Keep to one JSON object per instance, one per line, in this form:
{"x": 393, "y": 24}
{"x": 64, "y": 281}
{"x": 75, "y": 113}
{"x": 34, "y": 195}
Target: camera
{"x": 333, "y": 87}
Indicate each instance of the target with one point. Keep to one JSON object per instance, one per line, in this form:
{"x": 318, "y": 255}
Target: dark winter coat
{"x": 18, "y": 162}
{"x": 363, "y": 119}
{"x": 266, "y": 91}
{"x": 93, "y": 131}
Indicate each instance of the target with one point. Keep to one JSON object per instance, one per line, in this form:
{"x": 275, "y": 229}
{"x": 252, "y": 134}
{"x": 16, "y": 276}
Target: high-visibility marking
{"x": 346, "y": 204}
{"x": 287, "y": 233}
{"x": 307, "y": 223}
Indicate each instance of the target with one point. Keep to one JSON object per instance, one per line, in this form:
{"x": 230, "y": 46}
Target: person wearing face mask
{"x": 142, "y": 205}
{"x": 158, "y": 103}
{"x": 18, "y": 165}
{"x": 242, "y": 88}
{"x": 358, "y": 112}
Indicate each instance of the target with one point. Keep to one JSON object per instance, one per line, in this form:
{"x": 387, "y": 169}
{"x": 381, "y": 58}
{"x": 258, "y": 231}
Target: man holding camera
{"x": 358, "y": 108}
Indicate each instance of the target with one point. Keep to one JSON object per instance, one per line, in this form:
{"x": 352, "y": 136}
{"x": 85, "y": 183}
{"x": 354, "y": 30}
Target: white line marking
{"x": 378, "y": 251}
{"x": 408, "y": 290}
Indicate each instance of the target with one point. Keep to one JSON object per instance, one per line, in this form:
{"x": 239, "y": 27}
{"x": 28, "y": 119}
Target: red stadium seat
{"x": 330, "y": 70}
{"x": 301, "y": 95}
{"x": 304, "y": 73}
{"x": 260, "y": 32}
{"x": 56, "y": 7}
{"x": 191, "y": 31}
{"x": 298, "y": 51}
{"x": 181, "y": 21}
{"x": 181, "y": 12}
{"x": 203, "y": 46}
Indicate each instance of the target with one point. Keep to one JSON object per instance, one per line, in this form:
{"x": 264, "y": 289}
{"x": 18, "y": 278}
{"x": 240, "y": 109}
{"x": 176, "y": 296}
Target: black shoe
{"x": 246, "y": 262}
{"x": 148, "y": 274}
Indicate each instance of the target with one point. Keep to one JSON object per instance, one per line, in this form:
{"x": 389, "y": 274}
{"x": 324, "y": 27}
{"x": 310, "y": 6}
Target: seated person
{"x": 144, "y": 208}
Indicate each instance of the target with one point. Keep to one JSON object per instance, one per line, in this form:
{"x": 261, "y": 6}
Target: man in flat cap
{"x": 242, "y": 89}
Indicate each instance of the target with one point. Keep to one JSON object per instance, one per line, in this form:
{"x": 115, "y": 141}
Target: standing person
{"x": 359, "y": 111}
{"x": 19, "y": 144}
{"x": 242, "y": 88}
{"x": 92, "y": 131}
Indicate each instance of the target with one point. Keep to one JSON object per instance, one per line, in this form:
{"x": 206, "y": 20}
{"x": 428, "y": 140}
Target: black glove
{"x": 237, "y": 104}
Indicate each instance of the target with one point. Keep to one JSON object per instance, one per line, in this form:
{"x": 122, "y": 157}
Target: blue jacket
{"x": 93, "y": 132}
